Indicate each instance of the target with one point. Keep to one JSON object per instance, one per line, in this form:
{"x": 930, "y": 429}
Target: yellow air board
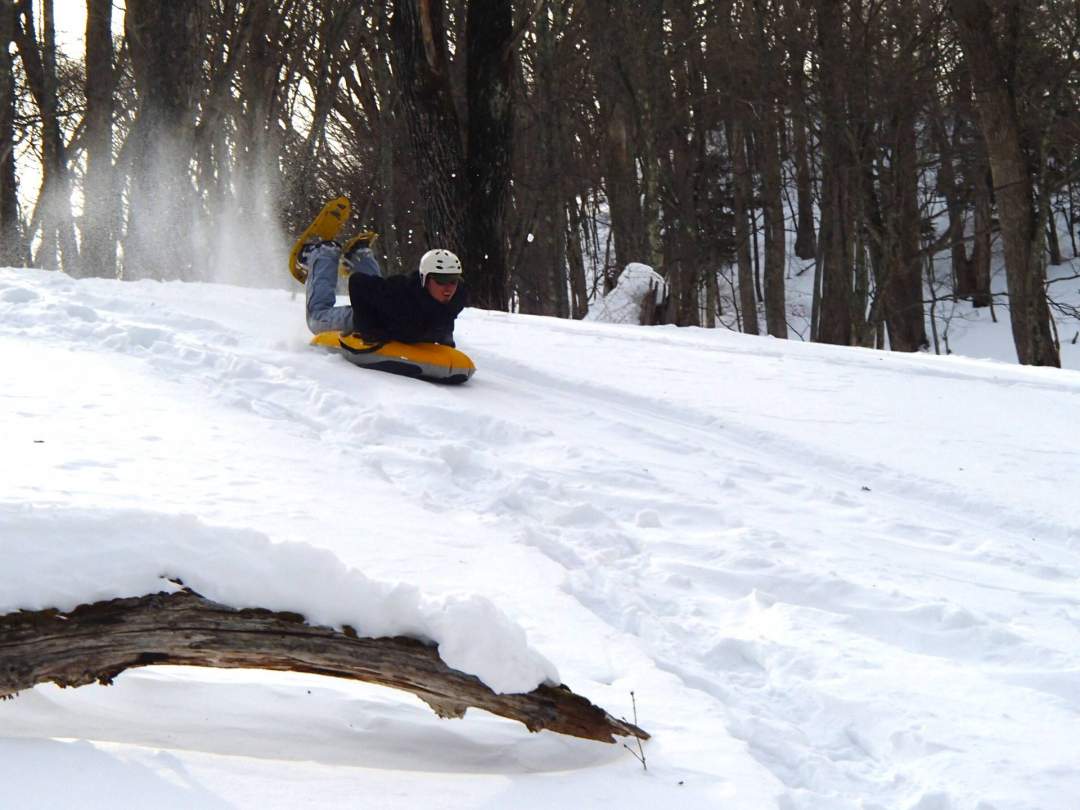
{"x": 427, "y": 361}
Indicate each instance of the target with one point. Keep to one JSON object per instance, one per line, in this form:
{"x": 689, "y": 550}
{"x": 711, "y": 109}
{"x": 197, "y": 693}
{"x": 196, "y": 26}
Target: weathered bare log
{"x": 95, "y": 643}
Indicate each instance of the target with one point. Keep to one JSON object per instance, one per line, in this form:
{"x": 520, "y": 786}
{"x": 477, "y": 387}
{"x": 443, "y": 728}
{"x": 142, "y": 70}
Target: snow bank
{"x": 61, "y": 558}
{"x": 623, "y": 304}
{"x": 834, "y": 578}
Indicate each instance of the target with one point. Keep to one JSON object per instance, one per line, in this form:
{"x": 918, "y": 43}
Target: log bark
{"x": 96, "y": 642}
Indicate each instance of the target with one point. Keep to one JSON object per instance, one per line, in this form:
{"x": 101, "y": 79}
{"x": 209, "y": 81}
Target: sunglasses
{"x": 445, "y": 279}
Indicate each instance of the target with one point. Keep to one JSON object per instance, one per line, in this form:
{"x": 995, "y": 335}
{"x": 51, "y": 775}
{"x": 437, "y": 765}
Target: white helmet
{"x": 439, "y": 261}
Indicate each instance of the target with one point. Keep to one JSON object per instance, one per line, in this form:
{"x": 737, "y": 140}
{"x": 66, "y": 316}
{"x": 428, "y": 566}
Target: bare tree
{"x": 489, "y": 57}
{"x": 770, "y": 127}
{"x": 546, "y": 255}
{"x": 100, "y": 209}
{"x": 611, "y": 41}
{"x": 53, "y": 210}
{"x": 11, "y": 249}
{"x": 835, "y": 319}
{"x": 796, "y": 33}
{"x": 1022, "y": 230}
{"x": 742, "y": 211}
{"x": 162, "y": 41}
{"x": 552, "y": 147}
{"x": 689, "y": 259}
{"x": 422, "y": 72}
{"x": 901, "y": 277}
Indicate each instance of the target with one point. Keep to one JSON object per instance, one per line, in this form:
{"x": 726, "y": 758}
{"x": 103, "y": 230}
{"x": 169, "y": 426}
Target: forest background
{"x": 892, "y": 153}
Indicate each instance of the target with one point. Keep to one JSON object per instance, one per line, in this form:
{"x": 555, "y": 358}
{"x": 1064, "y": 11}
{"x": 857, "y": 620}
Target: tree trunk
{"x": 96, "y": 642}
{"x": 579, "y": 293}
{"x": 835, "y": 318}
{"x": 11, "y": 249}
{"x": 489, "y": 88}
{"x": 40, "y": 61}
{"x": 1021, "y": 229}
{"x": 403, "y": 222}
{"x": 975, "y": 177}
{"x": 962, "y": 267}
{"x": 653, "y": 105}
{"x": 805, "y": 239}
{"x": 99, "y": 199}
{"x": 981, "y": 294}
{"x": 712, "y": 295}
{"x": 161, "y": 39}
{"x": 422, "y": 71}
{"x": 540, "y": 244}
{"x": 775, "y": 231}
{"x": 680, "y": 153}
{"x": 1047, "y": 215}
{"x": 54, "y": 201}
{"x": 875, "y": 235}
{"x": 904, "y": 315}
{"x": 557, "y": 263}
{"x": 58, "y": 187}
{"x": 867, "y": 233}
{"x": 743, "y": 191}
{"x": 606, "y": 27}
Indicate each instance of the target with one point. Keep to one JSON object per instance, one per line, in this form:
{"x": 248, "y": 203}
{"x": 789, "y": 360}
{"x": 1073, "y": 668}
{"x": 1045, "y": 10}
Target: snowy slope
{"x": 833, "y": 578}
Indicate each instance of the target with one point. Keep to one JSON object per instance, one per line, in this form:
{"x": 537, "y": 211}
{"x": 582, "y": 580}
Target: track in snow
{"x": 767, "y": 540}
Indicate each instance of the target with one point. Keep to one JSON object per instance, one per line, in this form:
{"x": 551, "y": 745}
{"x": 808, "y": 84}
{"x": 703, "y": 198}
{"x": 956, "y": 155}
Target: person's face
{"x": 442, "y": 286}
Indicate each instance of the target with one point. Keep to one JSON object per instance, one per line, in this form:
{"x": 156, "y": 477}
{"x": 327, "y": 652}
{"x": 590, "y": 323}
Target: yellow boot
{"x": 323, "y": 228}
{"x": 364, "y": 239}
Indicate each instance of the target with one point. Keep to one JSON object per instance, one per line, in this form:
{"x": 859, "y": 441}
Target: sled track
{"x": 837, "y": 631}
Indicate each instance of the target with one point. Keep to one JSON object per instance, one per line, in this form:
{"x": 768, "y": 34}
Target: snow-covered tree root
{"x": 94, "y": 643}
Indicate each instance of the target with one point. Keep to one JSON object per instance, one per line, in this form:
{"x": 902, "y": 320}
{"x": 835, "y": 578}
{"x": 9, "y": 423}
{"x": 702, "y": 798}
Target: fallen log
{"x": 96, "y": 642}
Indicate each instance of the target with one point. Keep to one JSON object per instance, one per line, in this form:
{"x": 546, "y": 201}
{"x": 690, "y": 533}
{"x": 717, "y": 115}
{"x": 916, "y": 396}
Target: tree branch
{"x": 96, "y": 642}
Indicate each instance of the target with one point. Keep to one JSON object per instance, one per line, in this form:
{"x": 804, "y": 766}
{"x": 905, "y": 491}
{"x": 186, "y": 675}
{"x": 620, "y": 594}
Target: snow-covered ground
{"x": 832, "y": 578}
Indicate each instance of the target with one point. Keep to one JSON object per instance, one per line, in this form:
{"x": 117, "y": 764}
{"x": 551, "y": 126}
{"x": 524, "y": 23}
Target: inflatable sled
{"x": 427, "y": 361}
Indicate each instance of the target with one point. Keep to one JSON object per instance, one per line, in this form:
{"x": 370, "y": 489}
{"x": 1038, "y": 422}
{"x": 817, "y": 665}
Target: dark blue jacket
{"x": 399, "y": 308}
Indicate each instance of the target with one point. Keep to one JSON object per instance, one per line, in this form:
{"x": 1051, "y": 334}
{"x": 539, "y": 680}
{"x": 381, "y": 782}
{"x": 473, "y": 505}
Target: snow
{"x": 623, "y": 303}
{"x": 832, "y": 578}
{"x": 63, "y": 558}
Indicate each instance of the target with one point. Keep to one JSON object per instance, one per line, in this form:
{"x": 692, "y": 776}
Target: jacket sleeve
{"x": 365, "y": 295}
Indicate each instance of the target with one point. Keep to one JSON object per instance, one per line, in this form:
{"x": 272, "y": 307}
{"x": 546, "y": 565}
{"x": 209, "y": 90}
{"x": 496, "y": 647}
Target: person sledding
{"x": 403, "y": 324}
{"x": 416, "y": 307}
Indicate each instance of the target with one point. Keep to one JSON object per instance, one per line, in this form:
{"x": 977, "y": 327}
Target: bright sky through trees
{"x": 71, "y": 23}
